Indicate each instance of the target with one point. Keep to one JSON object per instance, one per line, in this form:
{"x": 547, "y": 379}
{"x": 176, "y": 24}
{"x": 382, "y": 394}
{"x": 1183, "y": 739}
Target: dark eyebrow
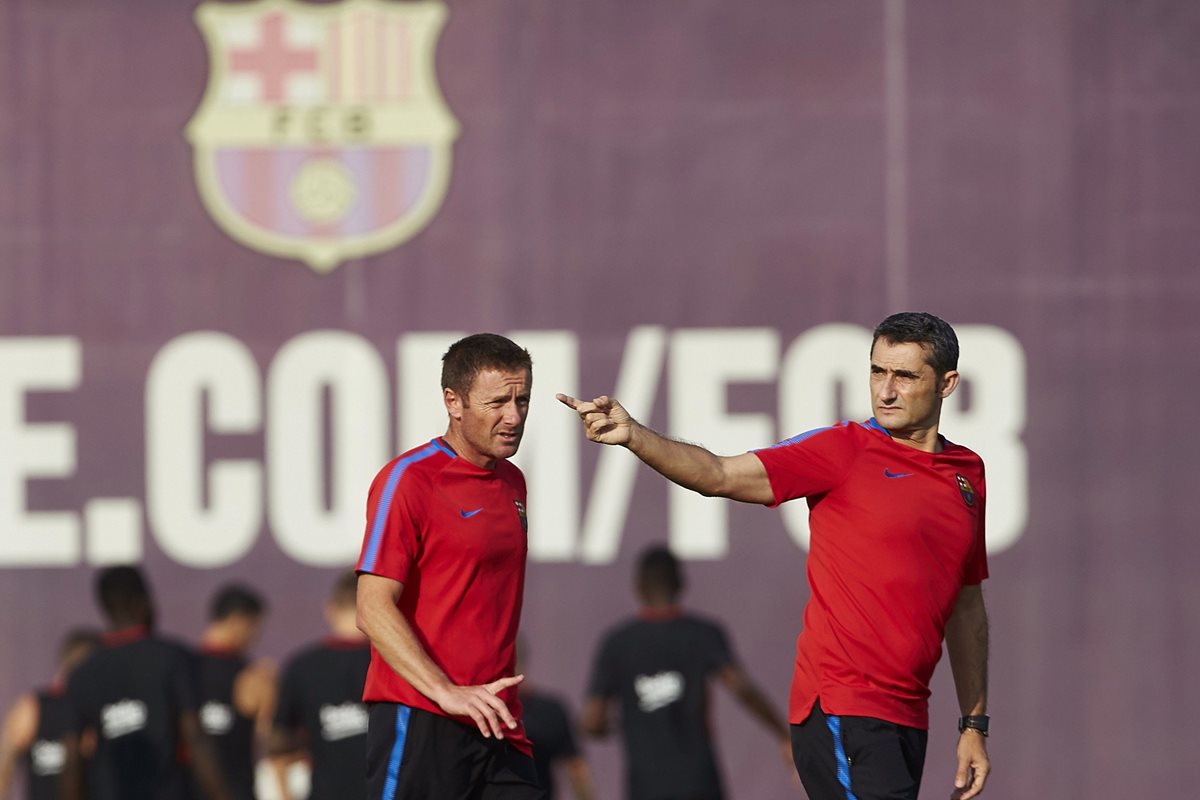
{"x": 899, "y": 373}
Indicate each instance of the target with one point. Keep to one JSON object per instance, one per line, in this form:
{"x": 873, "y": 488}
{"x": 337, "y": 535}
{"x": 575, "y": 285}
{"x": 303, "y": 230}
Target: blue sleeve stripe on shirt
{"x": 872, "y": 424}
{"x": 385, "y": 503}
{"x": 800, "y": 437}
{"x": 393, "y": 767}
{"x": 444, "y": 448}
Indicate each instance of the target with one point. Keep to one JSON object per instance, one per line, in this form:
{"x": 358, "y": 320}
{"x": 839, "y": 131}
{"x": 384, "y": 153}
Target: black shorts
{"x": 415, "y": 755}
{"x": 859, "y": 758}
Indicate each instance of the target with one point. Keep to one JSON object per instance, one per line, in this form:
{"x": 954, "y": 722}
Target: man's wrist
{"x": 974, "y": 722}
{"x": 636, "y": 432}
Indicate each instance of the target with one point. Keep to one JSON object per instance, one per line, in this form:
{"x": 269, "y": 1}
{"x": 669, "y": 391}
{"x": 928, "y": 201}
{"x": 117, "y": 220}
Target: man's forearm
{"x": 580, "y": 778}
{"x": 8, "y": 758}
{"x": 688, "y": 465}
{"x": 70, "y": 783}
{"x": 967, "y": 646}
{"x": 392, "y": 636}
{"x": 205, "y": 767}
{"x": 757, "y": 704}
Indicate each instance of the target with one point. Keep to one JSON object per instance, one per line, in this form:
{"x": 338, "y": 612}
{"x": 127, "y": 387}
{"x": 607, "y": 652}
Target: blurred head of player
{"x": 486, "y": 381}
{"x": 124, "y": 597}
{"x": 659, "y": 578}
{"x": 914, "y": 363}
{"x": 76, "y": 646}
{"x": 340, "y": 609}
{"x": 235, "y": 618}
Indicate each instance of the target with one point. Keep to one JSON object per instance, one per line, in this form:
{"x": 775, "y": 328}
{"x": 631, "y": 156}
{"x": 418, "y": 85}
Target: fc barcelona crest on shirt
{"x": 522, "y": 515}
{"x": 965, "y": 488}
{"x": 322, "y": 135}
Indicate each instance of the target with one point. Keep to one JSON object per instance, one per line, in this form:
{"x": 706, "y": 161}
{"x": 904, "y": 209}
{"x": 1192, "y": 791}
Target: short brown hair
{"x": 932, "y": 333}
{"x": 469, "y": 356}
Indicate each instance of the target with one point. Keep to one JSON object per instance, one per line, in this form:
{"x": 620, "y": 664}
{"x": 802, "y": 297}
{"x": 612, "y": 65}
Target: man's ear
{"x": 454, "y": 403}
{"x": 949, "y": 384}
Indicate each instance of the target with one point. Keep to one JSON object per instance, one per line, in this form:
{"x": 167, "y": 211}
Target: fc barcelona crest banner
{"x": 322, "y": 135}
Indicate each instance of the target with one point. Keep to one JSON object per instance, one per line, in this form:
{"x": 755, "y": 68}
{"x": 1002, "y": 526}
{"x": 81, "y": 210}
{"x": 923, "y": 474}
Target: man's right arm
{"x": 579, "y": 775}
{"x": 741, "y": 477}
{"x": 391, "y": 635}
{"x": 205, "y": 766}
{"x": 594, "y": 719}
{"x": 756, "y": 703}
{"x": 20, "y": 728}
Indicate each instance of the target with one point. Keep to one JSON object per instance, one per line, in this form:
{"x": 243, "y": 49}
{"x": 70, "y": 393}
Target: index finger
{"x": 567, "y": 400}
{"x": 504, "y": 683}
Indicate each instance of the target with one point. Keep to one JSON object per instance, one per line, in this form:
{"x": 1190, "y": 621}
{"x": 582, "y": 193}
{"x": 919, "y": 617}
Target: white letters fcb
{"x": 659, "y": 690}
{"x": 123, "y": 718}
{"x": 343, "y": 721}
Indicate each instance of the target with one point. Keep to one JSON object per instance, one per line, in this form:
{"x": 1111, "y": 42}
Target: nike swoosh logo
{"x": 467, "y": 514}
{"x": 889, "y": 474}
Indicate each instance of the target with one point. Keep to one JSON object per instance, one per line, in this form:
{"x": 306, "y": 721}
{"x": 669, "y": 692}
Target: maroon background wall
{"x": 750, "y": 171}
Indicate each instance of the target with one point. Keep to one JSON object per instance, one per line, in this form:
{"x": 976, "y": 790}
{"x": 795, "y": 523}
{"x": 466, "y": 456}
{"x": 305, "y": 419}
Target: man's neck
{"x": 463, "y": 450}
{"x": 217, "y": 637}
{"x": 927, "y": 440}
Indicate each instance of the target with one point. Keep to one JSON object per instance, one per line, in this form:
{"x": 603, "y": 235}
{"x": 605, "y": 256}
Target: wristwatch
{"x": 977, "y": 723}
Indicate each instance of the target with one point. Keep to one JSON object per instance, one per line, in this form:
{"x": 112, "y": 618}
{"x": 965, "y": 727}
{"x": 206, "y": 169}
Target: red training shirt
{"x": 895, "y": 534}
{"x": 455, "y": 535}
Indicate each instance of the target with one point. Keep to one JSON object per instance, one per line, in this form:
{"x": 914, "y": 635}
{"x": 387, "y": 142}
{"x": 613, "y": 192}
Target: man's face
{"x": 492, "y": 415}
{"x": 906, "y": 393}
{"x": 246, "y": 628}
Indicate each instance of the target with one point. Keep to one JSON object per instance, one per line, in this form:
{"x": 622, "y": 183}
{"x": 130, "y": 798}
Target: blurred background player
{"x": 552, "y": 731}
{"x": 38, "y": 721}
{"x": 320, "y": 713}
{"x": 137, "y": 696}
{"x": 237, "y": 698}
{"x": 656, "y": 668}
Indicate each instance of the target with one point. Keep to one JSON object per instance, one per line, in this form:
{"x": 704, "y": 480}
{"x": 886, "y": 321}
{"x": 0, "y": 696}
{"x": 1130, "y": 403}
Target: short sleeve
{"x": 976, "y": 570}
{"x": 391, "y": 542}
{"x": 603, "y": 681}
{"x": 809, "y": 464}
{"x": 719, "y": 652}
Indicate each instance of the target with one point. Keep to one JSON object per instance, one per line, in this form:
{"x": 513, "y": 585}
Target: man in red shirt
{"x": 442, "y": 575}
{"x": 897, "y": 556}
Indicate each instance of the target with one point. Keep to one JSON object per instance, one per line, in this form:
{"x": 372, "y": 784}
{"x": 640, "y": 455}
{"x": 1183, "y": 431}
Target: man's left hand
{"x": 973, "y": 765}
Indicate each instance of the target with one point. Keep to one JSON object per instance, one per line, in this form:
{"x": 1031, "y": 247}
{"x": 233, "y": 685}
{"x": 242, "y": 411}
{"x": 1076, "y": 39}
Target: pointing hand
{"x": 604, "y": 419}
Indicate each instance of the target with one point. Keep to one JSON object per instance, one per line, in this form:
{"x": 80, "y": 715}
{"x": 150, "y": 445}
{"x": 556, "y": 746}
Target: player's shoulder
{"x": 621, "y": 632}
{"x": 171, "y": 646}
{"x": 417, "y": 465}
{"x": 306, "y": 657}
{"x": 843, "y": 431}
{"x": 963, "y": 454}
{"x": 510, "y": 473}
{"x": 316, "y": 656}
{"x": 701, "y": 622}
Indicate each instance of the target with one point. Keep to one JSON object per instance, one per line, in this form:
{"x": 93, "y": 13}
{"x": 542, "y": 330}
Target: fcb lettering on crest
{"x": 322, "y": 135}
{"x": 966, "y": 489}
